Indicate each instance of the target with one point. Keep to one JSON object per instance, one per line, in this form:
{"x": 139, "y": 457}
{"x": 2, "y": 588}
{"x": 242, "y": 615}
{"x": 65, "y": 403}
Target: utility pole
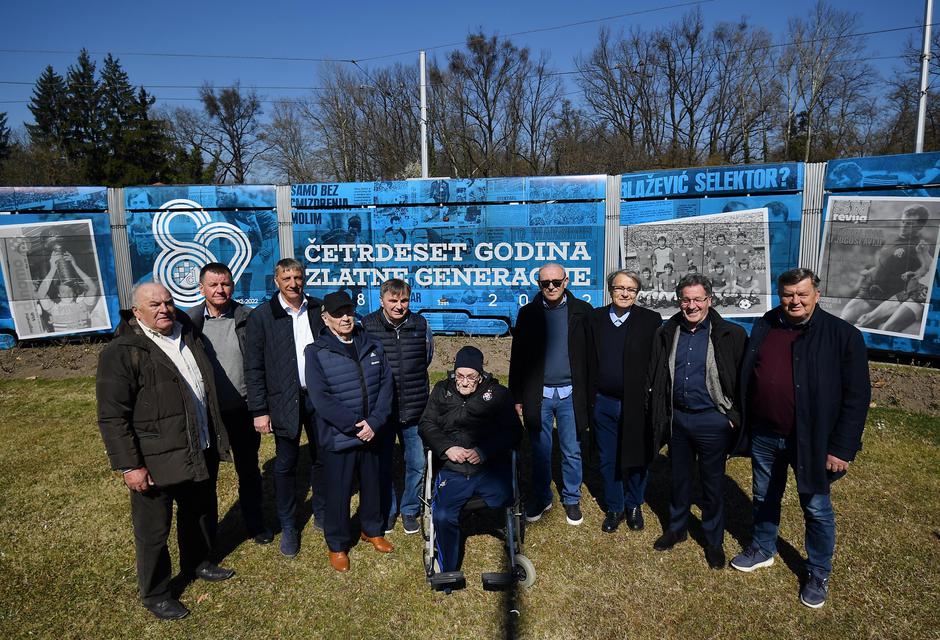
{"x": 424, "y": 116}
{"x": 924, "y": 73}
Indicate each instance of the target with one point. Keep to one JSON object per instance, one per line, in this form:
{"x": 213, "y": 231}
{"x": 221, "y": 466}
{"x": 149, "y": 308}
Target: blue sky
{"x": 346, "y": 30}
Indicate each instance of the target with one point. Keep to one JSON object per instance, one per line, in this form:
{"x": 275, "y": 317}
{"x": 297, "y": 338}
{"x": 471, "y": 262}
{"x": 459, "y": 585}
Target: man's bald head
{"x": 153, "y": 307}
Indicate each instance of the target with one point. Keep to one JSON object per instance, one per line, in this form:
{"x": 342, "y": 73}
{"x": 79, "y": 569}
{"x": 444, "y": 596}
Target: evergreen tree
{"x": 5, "y": 145}
{"x": 83, "y": 139}
{"x": 117, "y": 104}
{"x": 48, "y": 108}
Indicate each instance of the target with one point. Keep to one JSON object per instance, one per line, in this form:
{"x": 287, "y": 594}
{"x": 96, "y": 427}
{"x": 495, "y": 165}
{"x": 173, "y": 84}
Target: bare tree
{"x": 234, "y": 127}
{"x": 292, "y": 152}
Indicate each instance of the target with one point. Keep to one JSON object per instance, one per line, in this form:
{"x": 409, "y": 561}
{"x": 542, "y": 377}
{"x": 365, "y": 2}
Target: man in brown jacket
{"x": 161, "y": 426}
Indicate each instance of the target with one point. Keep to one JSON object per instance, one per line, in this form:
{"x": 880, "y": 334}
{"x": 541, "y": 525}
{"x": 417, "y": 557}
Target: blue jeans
{"x": 452, "y": 490}
{"x": 561, "y": 411}
{"x": 413, "y": 454}
{"x": 620, "y": 490}
{"x": 770, "y": 457}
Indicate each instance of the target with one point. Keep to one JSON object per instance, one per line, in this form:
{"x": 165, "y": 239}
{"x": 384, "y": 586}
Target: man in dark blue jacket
{"x": 805, "y": 390}
{"x": 350, "y": 385}
{"x": 278, "y": 332}
{"x": 471, "y": 427}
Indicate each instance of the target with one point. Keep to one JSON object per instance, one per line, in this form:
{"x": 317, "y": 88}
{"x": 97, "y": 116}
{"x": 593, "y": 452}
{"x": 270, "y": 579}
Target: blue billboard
{"x": 173, "y": 231}
{"x": 738, "y": 225}
{"x": 880, "y": 241}
{"x": 470, "y": 249}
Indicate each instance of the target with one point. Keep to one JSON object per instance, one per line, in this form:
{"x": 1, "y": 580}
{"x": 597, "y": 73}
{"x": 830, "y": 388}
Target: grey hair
{"x": 624, "y": 272}
{"x": 288, "y": 264}
{"x": 692, "y": 280}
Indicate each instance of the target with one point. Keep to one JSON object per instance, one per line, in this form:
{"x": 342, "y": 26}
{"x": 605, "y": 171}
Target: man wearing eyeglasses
{"x": 805, "y": 389}
{"x": 548, "y": 380}
{"x": 620, "y": 336}
{"x": 471, "y": 428}
{"x": 693, "y": 401}
{"x": 351, "y": 386}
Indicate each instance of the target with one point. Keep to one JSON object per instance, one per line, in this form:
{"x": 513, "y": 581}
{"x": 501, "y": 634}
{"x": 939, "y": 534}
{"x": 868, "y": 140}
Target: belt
{"x": 695, "y": 411}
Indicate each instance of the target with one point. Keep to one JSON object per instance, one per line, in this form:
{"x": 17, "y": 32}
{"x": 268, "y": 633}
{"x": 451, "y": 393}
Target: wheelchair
{"x": 520, "y": 568}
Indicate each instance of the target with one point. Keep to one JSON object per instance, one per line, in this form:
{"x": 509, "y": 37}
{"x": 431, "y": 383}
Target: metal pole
{"x": 924, "y": 72}
{"x": 424, "y": 116}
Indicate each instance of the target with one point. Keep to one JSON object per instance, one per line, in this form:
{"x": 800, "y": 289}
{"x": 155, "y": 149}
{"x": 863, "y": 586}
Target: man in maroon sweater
{"x": 805, "y": 392}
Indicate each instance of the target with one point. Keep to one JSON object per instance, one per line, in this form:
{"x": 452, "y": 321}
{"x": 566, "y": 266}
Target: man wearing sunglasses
{"x": 694, "y": 404}
{"x": 548, "y": 379}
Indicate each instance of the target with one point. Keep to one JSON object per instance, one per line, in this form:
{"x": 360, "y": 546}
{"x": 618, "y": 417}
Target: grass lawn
{"x": 67, "y": 557}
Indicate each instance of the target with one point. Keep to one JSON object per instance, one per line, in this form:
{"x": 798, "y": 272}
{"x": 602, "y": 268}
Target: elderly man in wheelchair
{"x": 470, "y": 428}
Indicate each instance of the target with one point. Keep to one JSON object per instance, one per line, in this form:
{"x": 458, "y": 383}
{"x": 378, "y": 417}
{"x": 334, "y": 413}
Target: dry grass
{"x": 67, "y": 560}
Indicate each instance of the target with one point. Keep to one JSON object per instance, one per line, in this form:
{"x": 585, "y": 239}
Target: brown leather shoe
{"x": 339, "y": 561}
{"x": 379, "y": 542}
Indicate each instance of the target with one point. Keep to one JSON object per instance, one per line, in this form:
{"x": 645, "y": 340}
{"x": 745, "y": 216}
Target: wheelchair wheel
{"x": 524, "y": 571}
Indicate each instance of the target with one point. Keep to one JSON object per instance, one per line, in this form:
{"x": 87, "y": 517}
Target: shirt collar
{"x": 290, "y": 309}
{"x": 618, "y": 320}
{"x": 564, "y": 301}
{"x": 228, "y": 313}
{"x": 153, "y": 334}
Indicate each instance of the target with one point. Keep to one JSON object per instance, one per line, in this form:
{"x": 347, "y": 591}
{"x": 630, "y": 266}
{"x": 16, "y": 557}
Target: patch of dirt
{"x": 905, "y": 387}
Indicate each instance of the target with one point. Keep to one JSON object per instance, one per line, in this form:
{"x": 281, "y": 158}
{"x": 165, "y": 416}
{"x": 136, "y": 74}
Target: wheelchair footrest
{"x": 448, "y": 580}
{"x": 498, "y": 581}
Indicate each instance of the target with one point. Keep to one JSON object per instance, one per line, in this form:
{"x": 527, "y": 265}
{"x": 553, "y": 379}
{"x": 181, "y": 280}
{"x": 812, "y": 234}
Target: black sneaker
{"x": 815, "y": 591}
{"x": 573, "y": 514}
{"x": 410, "y": 524}
{"x": 534, "y": 515}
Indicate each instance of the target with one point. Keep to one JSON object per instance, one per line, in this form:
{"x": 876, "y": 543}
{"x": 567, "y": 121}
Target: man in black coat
{"x": 693, "y": 396}
{"x": 162, "y": 428}
{"x": 278, "y": 332}
{"x": 470, "y": 426}
{"x": 805, "y": 389}
{"x": 620, "y": 338}
{"x": 548, "y": 380}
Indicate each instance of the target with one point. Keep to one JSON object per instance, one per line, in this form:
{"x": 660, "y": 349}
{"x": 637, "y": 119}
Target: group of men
{"x": 795, "y": 394}
{"x": 177, "y": 393}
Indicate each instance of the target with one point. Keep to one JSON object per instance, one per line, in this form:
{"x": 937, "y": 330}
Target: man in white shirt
{"x": 278, "y": 332}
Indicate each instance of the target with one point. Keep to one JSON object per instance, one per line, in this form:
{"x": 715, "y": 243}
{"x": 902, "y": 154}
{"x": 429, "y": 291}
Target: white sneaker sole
{"x": 754, "y": 567}
{"x": 574, "y": 523}
{"x": 538, "y": 517}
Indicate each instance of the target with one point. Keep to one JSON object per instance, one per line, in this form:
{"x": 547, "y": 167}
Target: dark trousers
{"x": 245, "y": 442}
{"x": 196, "y": 521}
{"x": 341, "y": 468}
{"x": 703, "y": 436}
{"x": 286, "y": 452}
{"x": 452, "y": 490}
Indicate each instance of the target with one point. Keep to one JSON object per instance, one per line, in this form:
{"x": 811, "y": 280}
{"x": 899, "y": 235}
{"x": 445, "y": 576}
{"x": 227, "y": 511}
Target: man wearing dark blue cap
{"x": 350, "y": 383}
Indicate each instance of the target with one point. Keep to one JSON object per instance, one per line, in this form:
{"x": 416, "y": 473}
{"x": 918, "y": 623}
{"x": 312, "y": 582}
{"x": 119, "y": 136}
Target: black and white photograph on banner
{"x": 730, "y": 248}
{"x": 53, "y": 279}
{"x": 879, "y": 261}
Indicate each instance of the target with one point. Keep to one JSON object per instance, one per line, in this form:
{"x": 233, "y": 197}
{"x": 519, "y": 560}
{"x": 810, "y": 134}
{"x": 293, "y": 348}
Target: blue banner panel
{"x": 880, "y": 172}
{"x": 744, "y": 179}
{"x": 741, "y": 242}
{"x": 471, "y": 266}
{"x": 174, "y": 231}
{"x": 73, "y": 199}
{"x": 58, "y": 275}
{"x": 442, "y": 191}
